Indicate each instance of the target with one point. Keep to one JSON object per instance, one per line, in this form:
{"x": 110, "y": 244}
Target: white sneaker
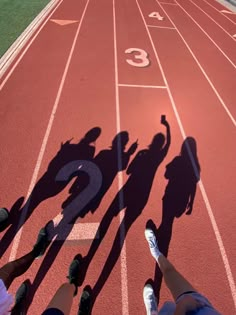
{"x": 149, "y": 300}
{"x": 152, "y": 242}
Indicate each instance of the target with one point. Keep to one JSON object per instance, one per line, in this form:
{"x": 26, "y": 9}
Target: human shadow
{"x": 110, "y": 162}
{"x": 90, "y": 181}
{"x": 183, "y": 173}
{"x": 47, "y": 186}
{"x": 132, "y": 197}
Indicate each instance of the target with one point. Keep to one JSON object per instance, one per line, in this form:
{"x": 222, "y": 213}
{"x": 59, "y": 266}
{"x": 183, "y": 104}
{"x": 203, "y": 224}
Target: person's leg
{"x": 176, "y": 283}
{"x": 63, "y": 298}
{"x": 19, "y": 266}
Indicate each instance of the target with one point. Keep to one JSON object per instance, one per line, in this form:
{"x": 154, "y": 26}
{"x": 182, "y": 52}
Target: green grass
{"x": 15, "y": 16}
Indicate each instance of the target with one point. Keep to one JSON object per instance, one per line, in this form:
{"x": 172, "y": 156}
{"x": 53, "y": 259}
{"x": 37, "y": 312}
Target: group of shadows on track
{"x": 182, "y": 174}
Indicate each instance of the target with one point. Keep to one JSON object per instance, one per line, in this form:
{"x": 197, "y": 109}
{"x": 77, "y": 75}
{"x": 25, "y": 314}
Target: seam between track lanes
{"x": 200, "y": 66}
{"x": 220, "y": 12}
{"x": 213, "y": 20}
{"x": 27, "y": 47}
{"x": 123, "y": 259}
{"x": 207, "y": 35}
{"x": 45, "y": 140}
{"x": 203, "y": 191}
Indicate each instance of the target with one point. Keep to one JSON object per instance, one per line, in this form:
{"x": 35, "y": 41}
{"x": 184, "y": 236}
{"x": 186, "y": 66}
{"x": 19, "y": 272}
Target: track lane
{"x": 208, "y": 115}
{"x": 217, "y": 16}
{"x": 203, "y": 53}
{"x": 230, "y": 15}
{"x": 225, "y": 44}
{"x": 84, "y": 101}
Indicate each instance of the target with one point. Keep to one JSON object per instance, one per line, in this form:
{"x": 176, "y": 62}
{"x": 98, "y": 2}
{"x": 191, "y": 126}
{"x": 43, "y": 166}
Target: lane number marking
{"x": 142, "y": 56}
{"x": 156, "y": 15}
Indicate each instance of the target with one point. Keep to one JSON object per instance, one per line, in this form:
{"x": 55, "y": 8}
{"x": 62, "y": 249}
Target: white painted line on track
{"x": 202, "y": 188}
{"x": 204, "y": 73}
{"x": 80, "y": 231}
{"x": 123, "y": 259}
{"x": 212, "y": 19}
{"x": 165, "y": 27}
{"x": 9, "y": 56}
{"x": 168, "y": 3}
{"x": 45, "y": 141}
{"x": 208, "y": 36}
{"x": 220, "y": 12}
{"x": 144, "y": 86}
{"x": 27, "y": 47}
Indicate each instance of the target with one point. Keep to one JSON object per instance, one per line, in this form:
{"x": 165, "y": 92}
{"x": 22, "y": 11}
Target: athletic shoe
{"x": 42, "y": 242}
{"x": 152, "y": 242}
{"x": 85, "y": 302}
{"x": 74, "y": 270}
{"x": 4, "y": 216}
{"x": 20, "y": 298}
{"x": 149, "y": 300}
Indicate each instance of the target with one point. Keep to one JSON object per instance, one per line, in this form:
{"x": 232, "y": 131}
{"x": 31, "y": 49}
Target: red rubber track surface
{"x": 190, "y": 79}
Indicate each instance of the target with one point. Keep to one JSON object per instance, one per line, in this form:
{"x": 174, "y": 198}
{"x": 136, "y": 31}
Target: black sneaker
{"x": 20, "y": 298}
{"x": 74, "y": 270}
{"x": 42, "y": 242}
{"x": 85, "y": 301}
{"x": 4, "y": 216}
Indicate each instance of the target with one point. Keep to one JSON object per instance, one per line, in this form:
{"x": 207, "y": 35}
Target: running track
{"x": 76, "y": 76}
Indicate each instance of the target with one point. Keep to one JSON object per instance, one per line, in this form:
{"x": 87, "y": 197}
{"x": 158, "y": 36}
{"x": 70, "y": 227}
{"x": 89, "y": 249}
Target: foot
{"x": 149, "y": 300}
{"x": 152, "y": 242}
{"x": 20, "y": 298}
{"x": 42, "y": 242}
{"x": 4, "y": 216}
{"x": 74, "y": 271}
{"x": 85, "y": 302}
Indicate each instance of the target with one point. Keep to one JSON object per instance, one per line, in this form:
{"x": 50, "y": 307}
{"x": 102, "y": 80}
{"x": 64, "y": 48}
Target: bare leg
{"x": 175, "y": 282}
{"x": 16, "y": 268}
{"x": 63, "y": 298}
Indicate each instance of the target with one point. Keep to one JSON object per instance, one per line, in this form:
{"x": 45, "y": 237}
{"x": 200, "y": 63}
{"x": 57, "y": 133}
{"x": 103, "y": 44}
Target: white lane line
{"x": 202, "y": 188}
{"x": 27, "y": 47}
{"x": 123, "y": 256}
{"x": 80, "y": 231}
{"x": 168, "y": 3}
{"x": 144, "y": 86}
{"x": 203, "y": 71}
{"x": 212, "y": 19}
{"x": 223, "y": 53}
{"x": 220, "y": 12}
{"x": 7, "y": 59}
{"x": 166, "y": 27}
{"x": 45, "y": 141}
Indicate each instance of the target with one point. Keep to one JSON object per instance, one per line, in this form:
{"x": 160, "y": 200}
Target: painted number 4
{"x": 140, "y": 55}
{"x": 156, "y": 15}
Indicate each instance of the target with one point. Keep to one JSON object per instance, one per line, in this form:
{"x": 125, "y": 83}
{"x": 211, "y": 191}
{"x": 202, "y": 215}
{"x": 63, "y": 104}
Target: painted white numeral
{"x": 71, "y": 212}
{"x": 142, "y": 56}
{"x": 156, "y": 15}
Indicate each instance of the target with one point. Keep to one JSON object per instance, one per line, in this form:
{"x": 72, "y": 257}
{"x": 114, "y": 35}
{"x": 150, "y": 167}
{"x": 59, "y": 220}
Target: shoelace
{"x": 152, "y": 242}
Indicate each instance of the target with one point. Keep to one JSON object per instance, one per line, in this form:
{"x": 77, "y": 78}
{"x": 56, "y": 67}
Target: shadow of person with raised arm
{"x": 183, "y": 173}
{"x": 107, "y": 162}
{"x": 133, "y": 196}
{"x": 47, "y": 186}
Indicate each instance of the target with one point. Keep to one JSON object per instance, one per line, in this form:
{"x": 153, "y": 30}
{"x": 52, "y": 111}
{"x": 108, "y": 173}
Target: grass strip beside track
{"x": 15, "y": 16}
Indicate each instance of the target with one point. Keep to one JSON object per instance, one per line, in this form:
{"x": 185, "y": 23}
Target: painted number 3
{"x": 140, "y": 55}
